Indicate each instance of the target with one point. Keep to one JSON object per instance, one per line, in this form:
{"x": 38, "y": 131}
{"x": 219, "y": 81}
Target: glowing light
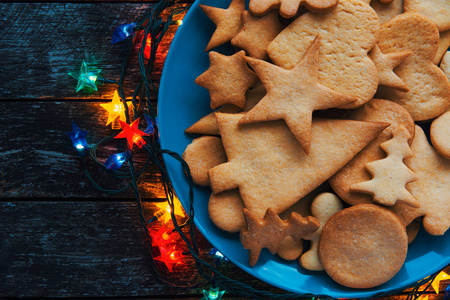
{"x": 115, "y": 109}
{"x": 218, "y": 257}
{"x": 170, "y": 256}
{"x": 122, "y": 32}
{"x": 87, "y": 76}
{"x": 447, "y": 293}
{"x": 163, "y": 236}
{"x": 78, "y": 138}
{"x": 212, "y": 294}
{"x": 165, "y": 210}
{"x": 132, "y": 134}
{"x": 115, "y": 161}
{"x": 437, "y": 280}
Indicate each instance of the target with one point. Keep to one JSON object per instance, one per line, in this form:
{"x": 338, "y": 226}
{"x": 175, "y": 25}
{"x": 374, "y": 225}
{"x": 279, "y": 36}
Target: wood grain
{"x": 42, "y": 42}
{"x": 37, "y": 159}
{"x": 78, "y": 249}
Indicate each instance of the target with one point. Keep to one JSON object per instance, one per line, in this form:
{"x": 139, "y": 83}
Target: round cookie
{"x": 363, "y": 246}
{"x": 203, "y": 154}
{"x": 440, "y": 134}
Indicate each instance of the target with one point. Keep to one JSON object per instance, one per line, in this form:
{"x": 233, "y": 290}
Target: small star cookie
{"x": 257, "y": 33}
{"x": 228, "y": 78}
{"x": 385, "y": 64}
{"x": 228, "y": 22}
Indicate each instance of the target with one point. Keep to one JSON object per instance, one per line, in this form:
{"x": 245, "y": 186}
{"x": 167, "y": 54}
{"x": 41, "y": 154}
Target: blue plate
{"x": 181, "y": 103}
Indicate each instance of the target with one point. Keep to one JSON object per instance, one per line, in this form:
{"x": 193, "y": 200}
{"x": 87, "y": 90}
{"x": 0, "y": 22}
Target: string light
{"x": 217, "y": 257}
{"x": 78, "y": 138}
{"x": 437, "y": 280}
{"x": 170, "y": 256}
{"x": 115, "y": 109}
{"x": 212, "y": 294}
{"x": 447, "y": 293}
{"x": 165, "y": 210}
{"x": 132, "y": 134}
{"x": 162, "y": 236}
{"x": 87, "y": 76}
{"x": 115, "y": 161}
{"x": 122, "y": 32}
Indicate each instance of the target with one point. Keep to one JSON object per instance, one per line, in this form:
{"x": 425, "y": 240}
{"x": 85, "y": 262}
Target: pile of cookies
{"x": 314, "y": 132}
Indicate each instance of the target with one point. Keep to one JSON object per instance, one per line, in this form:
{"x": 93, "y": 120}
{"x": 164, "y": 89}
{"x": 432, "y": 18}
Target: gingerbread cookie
{"x": 348, "y": 31}
{"x": 416, "y": 33}
{"x": 293, "y": 95}
{"x": 227, "y": 79}
{"x": 269, "y": 166}
{"x": 201, "y": 155}
{"x": 228, "y": 22}
{"x": 257, "y": 33}
{"x": 431, "y": 189}
{"x": 376, "y": 110}
{"x": 323, "y": 207}
{"x": 358, "y": 242}
{"x": 289, "y": 8}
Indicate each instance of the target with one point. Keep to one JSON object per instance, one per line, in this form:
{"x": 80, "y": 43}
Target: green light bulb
{"x": 87, "y": 76}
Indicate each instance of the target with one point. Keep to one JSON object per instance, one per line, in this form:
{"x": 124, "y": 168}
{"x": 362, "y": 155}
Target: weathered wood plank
{"x": 95, "y": 249}
{"x": 77, "y": 249}
{"x": 37, "y": 159}
{"x": 41, "y": 42}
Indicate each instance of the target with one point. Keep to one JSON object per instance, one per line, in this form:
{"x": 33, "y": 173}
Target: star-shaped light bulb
{"x": 212, "y": 294}
{"x": 132, "y": 134}
{"x": 447, "y": 293}
{"x": 217, "y": 257}
{"x": 78, "y": 138}
{"x": 87, "y": 76}
{"x": 122, "y": 32}
{"x": 164, "y": 210}
{"x": 437, "y": 280}
{"x": 170, "y": 256}
{"x": 162, "y": 236}
{"x": 115, "y": 109}
{"x": 115, "y": 161}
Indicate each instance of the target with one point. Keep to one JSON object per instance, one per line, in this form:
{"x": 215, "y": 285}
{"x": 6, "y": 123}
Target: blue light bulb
{"x": 78, "y": 138}
{"x": 447, "y": 293}
{"x": 115, "y": 161}
{"x": 122, "y": 32}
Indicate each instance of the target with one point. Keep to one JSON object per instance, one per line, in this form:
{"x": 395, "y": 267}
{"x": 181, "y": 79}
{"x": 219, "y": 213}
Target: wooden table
{"x": 59, "y": 236}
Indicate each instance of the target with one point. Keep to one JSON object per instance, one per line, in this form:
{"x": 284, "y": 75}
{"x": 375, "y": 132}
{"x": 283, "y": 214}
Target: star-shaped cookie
{"x": 293, "y": 94}
{"x": 228, "y": 22}
{"x": 257, "y": 33}
{"x": 228, "y": 78}
{"x": 385, "y": 64}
